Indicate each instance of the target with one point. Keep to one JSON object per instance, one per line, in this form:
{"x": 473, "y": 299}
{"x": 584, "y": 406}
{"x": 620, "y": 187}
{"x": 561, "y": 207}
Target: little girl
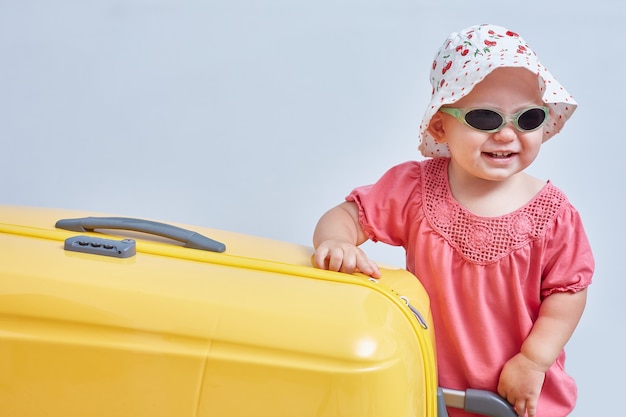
{"x": 503, "y": 255}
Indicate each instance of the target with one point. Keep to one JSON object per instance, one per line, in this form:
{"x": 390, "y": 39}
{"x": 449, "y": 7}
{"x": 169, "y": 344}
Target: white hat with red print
{"x": 467, "y": 57}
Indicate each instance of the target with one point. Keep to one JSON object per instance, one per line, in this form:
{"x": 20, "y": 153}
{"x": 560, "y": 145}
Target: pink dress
{"x": 486, "y": 276}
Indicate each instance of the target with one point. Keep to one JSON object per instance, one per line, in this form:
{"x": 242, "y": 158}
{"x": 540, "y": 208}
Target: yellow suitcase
{"x": 104, "y": 316}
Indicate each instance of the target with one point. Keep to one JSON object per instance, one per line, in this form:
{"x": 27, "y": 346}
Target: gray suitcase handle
{"x": 474, "y": 401}
{"x": 189, "y": 238}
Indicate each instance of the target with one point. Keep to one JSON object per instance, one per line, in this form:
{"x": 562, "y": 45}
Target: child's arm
{"x": 523, "y": 375}
{"x": 336, "y": 238}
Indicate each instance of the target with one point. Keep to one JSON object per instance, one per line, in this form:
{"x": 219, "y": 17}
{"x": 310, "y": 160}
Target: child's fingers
{"x": 320, "y": 258}
{"x": 520, "y": 408}
{"x": 347, "y": 259}
{"x": 368, "y": 267}
{"x": 531, "y": 408}
{"x": 335, "y": 260}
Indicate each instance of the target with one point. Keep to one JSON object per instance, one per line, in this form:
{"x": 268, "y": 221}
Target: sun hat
{"x": 467, "y": 57}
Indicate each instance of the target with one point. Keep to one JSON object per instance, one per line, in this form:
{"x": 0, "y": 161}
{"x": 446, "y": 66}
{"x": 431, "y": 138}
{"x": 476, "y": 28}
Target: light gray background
{"x": 257, "y": 116}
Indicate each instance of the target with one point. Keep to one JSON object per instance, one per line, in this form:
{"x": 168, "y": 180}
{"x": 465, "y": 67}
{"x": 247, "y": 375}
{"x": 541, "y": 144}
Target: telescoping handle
{"x": 474, "y": 401}
{"x": 190, "y": 238}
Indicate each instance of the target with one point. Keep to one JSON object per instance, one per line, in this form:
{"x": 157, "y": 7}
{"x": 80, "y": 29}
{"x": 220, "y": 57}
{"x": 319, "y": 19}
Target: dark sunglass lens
{"x": 483, "y": 119}
{"x": 531, "y": 119}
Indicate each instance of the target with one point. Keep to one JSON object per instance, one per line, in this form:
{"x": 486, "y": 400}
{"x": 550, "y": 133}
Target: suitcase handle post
{"x": 190, "y": 238}
{"x": 474, "y": 401}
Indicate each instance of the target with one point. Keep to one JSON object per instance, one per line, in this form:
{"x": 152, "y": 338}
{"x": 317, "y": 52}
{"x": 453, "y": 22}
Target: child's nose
{"x": 507, "y": 133}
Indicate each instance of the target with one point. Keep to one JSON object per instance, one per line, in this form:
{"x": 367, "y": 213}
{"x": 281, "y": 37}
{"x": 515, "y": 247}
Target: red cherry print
{"x": 442, "y": 83}
{"x": 513, "y": 34}
{"x": 447, "y": 67}
{"x": 434, "y": 64}
{"x": 490, "y": 43}
{"x": 465, "y": 52}
{"x": 459, "y": 48}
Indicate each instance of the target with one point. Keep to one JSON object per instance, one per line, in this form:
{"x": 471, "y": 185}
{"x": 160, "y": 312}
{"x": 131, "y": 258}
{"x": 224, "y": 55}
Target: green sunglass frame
{"x": 460, "y": 113}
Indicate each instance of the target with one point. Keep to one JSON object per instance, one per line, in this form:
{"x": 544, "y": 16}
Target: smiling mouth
{"x": 499, "y": 154}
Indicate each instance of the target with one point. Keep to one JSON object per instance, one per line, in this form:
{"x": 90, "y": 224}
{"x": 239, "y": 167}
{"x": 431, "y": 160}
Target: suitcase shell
{"x": 174, "y": 331}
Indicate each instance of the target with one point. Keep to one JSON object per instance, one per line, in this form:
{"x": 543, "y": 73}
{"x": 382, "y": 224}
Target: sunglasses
{"x": 491, "y": 121}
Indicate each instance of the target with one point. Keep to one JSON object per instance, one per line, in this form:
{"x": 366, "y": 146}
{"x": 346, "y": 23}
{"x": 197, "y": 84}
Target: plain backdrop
{"x": 258, "y": 116}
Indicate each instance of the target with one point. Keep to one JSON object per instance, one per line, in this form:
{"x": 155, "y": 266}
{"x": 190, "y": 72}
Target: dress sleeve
{"x": 568, "y": 261}
{"x": 386, "y": 206}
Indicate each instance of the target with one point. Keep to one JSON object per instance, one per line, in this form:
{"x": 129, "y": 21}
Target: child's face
{"x": 499, "y": 155}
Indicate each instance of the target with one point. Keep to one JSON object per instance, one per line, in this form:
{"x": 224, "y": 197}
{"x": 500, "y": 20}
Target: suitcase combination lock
{"x": 97, "y": 246}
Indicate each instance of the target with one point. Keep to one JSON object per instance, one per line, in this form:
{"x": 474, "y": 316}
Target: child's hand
{"x": 336, "y": 255}
{"x": 521, "y": 381}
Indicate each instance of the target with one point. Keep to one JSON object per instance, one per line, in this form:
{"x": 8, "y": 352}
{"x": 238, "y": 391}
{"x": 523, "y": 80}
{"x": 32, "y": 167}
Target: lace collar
{"x": 484, "y": 240}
